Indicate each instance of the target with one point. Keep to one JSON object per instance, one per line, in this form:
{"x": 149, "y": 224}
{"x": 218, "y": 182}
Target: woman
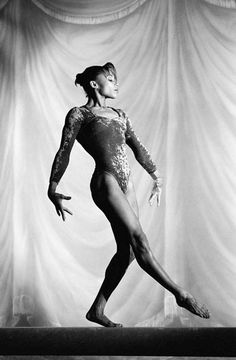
{"x": 104, "y": 132}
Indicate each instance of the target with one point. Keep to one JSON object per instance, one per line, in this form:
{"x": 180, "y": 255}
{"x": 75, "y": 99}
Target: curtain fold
{"x": 3, "y": 3}
{"x": 88, "y": 12}
{"x": 176, "y": 69}
{"x": 230, "y": 4}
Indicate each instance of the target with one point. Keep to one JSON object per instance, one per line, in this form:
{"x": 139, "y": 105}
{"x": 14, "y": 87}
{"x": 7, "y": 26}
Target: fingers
{"x": 61, "y": 212}
{"x": 58, "y": 212}
{"x": 58, "y": 205}
{"x": 68, "y": 211}
{"x": 155, "y": 193}
{"x": 64, "y": 197}
{"x": 159, "y": 197}
{"x": 152, "y": 197}
{"x": 62, "y": 215}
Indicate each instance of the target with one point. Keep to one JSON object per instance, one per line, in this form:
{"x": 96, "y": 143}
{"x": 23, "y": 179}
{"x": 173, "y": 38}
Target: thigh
{"x": 108, "y": 196}
{"x": 131, "y": 197}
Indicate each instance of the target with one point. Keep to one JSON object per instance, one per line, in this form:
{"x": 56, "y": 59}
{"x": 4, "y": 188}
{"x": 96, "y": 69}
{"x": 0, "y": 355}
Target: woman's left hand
{"x": 156, "y": 192}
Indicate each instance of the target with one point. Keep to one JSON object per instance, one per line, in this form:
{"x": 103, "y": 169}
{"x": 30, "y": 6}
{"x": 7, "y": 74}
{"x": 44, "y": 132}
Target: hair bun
{"x": 79, "y": 79}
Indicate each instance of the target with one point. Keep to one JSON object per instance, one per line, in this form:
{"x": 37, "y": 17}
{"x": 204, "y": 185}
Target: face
{"x": 107, "y": 85}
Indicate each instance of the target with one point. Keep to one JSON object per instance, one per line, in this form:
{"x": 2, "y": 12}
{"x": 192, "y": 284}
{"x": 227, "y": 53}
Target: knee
{"x": 139, "y": 241}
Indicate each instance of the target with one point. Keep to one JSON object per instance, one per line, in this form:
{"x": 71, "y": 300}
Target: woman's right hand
{"x": 56, "y": 199}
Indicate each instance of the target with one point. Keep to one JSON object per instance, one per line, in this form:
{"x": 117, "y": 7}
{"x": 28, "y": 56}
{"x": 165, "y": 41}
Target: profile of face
{"x": 105, "y": 85}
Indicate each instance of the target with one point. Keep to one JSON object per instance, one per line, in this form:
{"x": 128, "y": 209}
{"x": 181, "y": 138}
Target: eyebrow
{"x": 111, "y": 75}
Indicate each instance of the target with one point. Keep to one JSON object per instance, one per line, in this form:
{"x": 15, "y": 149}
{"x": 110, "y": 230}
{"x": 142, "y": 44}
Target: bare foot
{"x": 100, "y": 319}
{"x": 188, "y": 302}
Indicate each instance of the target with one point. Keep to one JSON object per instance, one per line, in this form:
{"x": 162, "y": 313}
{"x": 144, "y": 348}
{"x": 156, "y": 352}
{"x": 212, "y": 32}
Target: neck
{"x": 96, "y": 101}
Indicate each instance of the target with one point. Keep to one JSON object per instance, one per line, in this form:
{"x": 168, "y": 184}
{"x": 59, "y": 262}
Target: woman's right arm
{"x": 70, "y": 131}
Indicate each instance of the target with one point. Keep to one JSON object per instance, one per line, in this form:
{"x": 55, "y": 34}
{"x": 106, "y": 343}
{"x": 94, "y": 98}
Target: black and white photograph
{"x": 117, "y": 179}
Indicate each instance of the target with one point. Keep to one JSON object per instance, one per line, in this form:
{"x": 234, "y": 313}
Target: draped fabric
{"x": 90, "y": 11}
{"x": 3, "y": 3}
{"x": 223, "y": 3}
{"x": 176, "y": 63}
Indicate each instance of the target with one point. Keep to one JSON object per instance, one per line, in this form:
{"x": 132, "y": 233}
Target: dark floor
{"x": 13, "y": 357}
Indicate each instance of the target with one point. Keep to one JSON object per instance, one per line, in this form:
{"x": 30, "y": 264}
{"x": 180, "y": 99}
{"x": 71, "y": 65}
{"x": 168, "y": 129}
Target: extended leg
{"x": 148, "y": 263}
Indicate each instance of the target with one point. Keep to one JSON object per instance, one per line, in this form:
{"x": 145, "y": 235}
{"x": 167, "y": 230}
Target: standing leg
{"x": 113, "y": 275}
{"x": 121, "y": 216}
{"x": 114, "y": 271}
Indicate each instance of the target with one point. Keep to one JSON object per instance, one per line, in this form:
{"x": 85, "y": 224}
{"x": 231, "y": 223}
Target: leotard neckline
{"x": 105, "y": 117}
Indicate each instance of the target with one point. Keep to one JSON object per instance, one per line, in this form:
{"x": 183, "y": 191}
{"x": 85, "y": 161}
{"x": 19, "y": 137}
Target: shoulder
{"x": 74, "y": 116}
{"x": 122, "y": 113}
{"x": 75, "y": 111}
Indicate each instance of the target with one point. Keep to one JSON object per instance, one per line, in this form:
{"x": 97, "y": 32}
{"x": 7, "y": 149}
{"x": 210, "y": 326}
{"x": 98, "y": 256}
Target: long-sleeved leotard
{"x": 105, "y": 140}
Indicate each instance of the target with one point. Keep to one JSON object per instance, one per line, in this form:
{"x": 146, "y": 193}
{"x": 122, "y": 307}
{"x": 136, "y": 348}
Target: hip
{"x": 103, "y": 180}
{"x": 104, "y": 186}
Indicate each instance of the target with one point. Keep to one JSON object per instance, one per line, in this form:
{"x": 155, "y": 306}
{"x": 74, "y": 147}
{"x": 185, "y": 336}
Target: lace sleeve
{"x": 140, "y": 152}
{"x": 70, "y": 131}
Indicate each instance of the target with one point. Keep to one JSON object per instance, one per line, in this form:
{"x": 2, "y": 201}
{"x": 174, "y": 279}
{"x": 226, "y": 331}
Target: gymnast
{"x": 103, "y": 132}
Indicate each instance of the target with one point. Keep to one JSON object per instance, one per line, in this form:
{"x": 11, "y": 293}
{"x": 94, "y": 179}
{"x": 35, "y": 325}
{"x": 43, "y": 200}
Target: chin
{"x": 111, "y": 96}
{"x": 114, "y": 96}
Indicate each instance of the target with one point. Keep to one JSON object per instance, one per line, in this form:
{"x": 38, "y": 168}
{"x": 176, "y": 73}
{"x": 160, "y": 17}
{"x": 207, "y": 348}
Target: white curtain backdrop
{"x": 176, "y": 62}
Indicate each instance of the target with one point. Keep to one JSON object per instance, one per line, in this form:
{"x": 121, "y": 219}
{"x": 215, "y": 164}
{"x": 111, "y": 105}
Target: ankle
{"x": 95, "y": 310}
{"x": 180, "y": 294}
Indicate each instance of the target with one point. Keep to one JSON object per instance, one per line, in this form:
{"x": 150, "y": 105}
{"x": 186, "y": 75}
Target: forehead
{"x": 104, "y": 76}
{"x": 110, "y": 75}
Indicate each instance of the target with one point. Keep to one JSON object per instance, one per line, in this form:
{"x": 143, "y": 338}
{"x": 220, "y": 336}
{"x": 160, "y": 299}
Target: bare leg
{"x": 114, "y": 271}
{"x": 117, "y": 209}
{"x": 185, "y": 299}
{"x": 113, "y": 275}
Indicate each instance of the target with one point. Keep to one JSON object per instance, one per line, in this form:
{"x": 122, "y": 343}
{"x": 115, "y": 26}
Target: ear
{"x": 93, "y": 84}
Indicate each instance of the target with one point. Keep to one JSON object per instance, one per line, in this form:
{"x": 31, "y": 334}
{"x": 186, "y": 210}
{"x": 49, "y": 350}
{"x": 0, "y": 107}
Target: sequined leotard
{"x": 105, "y": 140}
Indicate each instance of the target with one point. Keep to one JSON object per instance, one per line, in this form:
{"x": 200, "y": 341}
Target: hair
{"x": 90, "y": 73}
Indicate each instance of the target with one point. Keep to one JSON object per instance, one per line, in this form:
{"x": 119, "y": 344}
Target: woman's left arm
{"x": 143, "y": 157}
